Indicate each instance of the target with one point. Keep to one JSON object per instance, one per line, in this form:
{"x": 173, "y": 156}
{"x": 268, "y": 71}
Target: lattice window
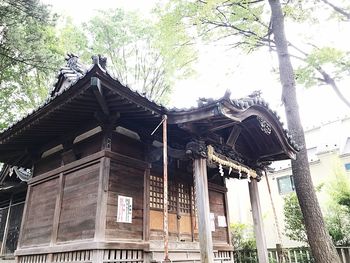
{"x": 184, "y": 198}
{"x": 179, "y": 194}
{"x": 156, "y": 192}
{"x": 172, "y": 194}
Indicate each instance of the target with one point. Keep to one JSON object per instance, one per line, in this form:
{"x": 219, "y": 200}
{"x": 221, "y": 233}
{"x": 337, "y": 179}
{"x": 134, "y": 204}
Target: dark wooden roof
{"x": 79, "y": 95}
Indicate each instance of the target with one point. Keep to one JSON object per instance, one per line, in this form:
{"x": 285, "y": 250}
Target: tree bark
{"x": 320, "y": 242}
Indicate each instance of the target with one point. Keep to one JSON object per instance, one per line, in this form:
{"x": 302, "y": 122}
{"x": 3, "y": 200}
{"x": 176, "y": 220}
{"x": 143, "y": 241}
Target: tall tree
{"x": 27, "y": 56}
{"x": 320, "y": 242}
{"x": 136, "y": 54}
{"x": 245, "y": 23}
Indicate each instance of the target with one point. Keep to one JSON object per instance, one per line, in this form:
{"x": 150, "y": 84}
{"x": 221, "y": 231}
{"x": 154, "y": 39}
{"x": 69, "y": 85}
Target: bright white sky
{"x": 219, "y": 69}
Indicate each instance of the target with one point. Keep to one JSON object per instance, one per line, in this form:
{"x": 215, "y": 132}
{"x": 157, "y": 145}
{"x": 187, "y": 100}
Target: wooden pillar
{"x": 57, "y": 212}
{"x": 203, "y": 211}
{"x": 258, "y": 223}
{"x": 6, "y": 226}
{"x": 102, "y": 192}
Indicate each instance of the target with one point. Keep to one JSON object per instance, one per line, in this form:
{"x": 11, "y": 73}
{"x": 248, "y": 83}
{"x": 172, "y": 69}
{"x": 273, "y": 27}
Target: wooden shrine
{"x": 93, "y": 173}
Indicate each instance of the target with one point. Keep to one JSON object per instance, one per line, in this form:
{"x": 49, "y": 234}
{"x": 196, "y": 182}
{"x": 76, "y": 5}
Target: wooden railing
{"x": 291, "y": 255}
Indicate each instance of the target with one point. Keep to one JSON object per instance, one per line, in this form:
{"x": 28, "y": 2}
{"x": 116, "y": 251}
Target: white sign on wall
{"x": 124, "y": 209}
{"x": 222, "y": 221}
{"x": 212, "y": 221}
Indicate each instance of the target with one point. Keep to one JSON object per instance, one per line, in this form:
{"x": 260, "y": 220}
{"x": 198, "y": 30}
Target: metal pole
{"x": 165, "y": 186}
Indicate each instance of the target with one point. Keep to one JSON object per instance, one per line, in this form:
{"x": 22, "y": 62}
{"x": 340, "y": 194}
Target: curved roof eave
{"x": 238, "y": 111}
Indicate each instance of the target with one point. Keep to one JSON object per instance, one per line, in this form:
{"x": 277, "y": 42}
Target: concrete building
{"x": 328, "y": 149}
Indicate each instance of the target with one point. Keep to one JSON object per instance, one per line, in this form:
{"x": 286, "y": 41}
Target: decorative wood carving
{"x": 264, "y": 125}
{"x": 196, "y": 149}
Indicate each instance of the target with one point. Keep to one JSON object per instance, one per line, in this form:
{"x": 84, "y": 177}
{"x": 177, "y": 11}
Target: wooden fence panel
{"x": 291, "y": 255}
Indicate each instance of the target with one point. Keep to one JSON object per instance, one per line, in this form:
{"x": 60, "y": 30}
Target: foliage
{"x": 73, "y": 39}
{"x": 243, "y": 242}
{"x": 247, "y": 25}
{"x": 338, "y": 208}
{"x": 339, "y": 189}
{"x": 27, "y": 56}
{"x": 293, "y": 217}
{"x": 141, "y": 54}
{"x": 242, "y": 237}
{"x": 336, "y": 212}
{"x": 32, "y": 47}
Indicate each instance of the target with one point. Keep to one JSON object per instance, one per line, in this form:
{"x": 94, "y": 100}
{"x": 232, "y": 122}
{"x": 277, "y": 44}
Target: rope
{"x": 223, "y": 160}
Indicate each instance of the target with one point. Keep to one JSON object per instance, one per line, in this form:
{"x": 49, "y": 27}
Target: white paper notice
{"x": 212, "y": 221}
{"x": 222, "y": 221}
{"x": 124, "y": 209}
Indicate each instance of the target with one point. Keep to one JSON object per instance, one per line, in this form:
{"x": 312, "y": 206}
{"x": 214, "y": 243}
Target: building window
{"x": 347, "y": 167}
{"x": 180, "y": 195}
{"x": 156, "y": 192}
{"x": 285, "y": 184}
{"x": 347, "y": 146}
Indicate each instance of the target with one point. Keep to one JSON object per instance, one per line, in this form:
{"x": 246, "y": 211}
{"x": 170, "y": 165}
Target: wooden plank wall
{"x": 82, "y": 149}
{"x": 217, "y": 206}
{"x": 48, "y": 163}
{"x": 88, "y": 146}
{"x": 78, "y": 209}
{"x": 126, "y": 181}
{"x": 37, "y": 226}
{"x": 127, "y": 146}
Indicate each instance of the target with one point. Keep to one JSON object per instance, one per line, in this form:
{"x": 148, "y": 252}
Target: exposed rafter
{"x": 98, "y": 91}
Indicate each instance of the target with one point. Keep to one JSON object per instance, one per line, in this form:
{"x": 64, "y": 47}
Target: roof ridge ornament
{"x": 74, "y": 64}
{"x": 100, "y": 60}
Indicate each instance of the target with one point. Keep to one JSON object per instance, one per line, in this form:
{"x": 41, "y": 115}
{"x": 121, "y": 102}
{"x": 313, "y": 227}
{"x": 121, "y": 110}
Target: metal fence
{"x": 291, "y": 255}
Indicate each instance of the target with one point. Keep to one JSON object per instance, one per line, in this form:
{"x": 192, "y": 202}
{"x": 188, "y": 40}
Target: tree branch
{"x": 331, "y": 82}
{"x": 338, "y": 9}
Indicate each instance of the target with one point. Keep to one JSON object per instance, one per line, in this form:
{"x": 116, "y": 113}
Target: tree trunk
{"x": 320, "y": 242}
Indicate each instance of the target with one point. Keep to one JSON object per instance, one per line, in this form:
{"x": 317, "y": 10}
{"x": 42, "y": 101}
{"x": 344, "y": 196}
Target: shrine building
{"x": 84, "y": 174}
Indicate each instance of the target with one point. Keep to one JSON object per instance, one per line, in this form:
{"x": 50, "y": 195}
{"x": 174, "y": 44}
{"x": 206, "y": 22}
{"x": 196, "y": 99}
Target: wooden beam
{"x": 79, "y": 245}
{"x": 232, "y": 138}
{"x": 68, "y": 155}
{"x": 197, "y": 115}
{"x": 61, "y": 139}
{"x": 258, "y": 222}
{"x": 98, "y": 92}
{"x": 202, "y": 204}
{"x": 220, "y": 127}
{"x": 155, "y": 154}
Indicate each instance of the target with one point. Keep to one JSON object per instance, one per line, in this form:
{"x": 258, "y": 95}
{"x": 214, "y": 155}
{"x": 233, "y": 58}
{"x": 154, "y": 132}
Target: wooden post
{"x": 165, "y": 190}
{"x": 6, "y": 226}
{"x": 229, "y": 241}
{"x": 258, "y": 223}
{"x": 57, "y": 211}
{"x": 202, "y": 203}
{"x": 24, "y": 216}
{"x": 146, "y": 203}
{"x": 102, "y": 196}
{"x": 103, "y": 181}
